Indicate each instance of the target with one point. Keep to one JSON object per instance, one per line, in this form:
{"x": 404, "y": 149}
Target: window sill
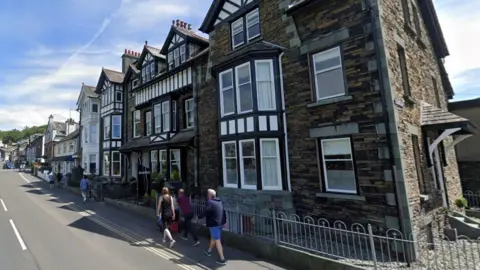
{"x": 341, "y": 196}
{"x": 329, "y": 101}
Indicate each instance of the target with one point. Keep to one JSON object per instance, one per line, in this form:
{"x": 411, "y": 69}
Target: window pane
{"x": 166, "y": 116}
{"x": 231, "y": 171}
{"x": 330, "y": 83}
{"x": 265, "y": 87}
{"x": 229, "y": 150}
{"x": 326, "y": 64}
{"x": 227, "y": 80}
{"x": 246, "y": 102}
{"x": 340, "y": 175}
{"x": 248, "y": 163}
{"x": 336, "y": 147}
{"x": 228, "y": 102}
{"x": 154, "y": 160}
{"x": 270, "y": 164}
{"x": 243, "y": 74}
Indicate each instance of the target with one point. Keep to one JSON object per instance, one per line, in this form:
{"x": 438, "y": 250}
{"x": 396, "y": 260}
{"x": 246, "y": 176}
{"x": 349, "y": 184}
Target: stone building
{"x": 333, "y": 109}
{"x": 468, "y": 150}
{"x": 160, "y": 113}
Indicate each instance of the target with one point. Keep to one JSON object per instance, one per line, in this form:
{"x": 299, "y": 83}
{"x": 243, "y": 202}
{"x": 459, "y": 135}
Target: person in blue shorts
{"x": 215, "y": 220}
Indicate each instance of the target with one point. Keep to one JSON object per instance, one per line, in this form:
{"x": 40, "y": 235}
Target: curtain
{"x": 265, "y": 90}
{"x": 270, "y": 164}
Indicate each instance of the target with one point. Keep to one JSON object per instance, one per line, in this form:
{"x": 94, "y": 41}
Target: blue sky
{"x": 50, "y": 47}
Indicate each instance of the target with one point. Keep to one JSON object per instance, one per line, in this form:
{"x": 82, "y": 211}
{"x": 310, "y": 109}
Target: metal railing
{"x": 355, "y": 244}
{"x": 473, "y": 198}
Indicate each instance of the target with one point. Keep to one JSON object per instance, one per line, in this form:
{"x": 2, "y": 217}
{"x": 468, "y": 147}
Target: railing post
{"x": 372, "y": 246}
{"x": 275, "y": 229}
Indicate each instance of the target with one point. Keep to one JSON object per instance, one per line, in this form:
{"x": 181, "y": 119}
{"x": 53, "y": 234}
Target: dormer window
{"x": 183, "y": 53}
{"x": 176, "y": 57}
{"x": 170, "y": 60}
{"x": 245, "y": 28}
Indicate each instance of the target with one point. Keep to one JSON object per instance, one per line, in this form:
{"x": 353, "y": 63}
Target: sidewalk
{"x": 148, "y": 231}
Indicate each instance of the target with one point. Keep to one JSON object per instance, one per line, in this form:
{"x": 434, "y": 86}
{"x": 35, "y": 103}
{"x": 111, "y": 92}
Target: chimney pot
{"x": 173, "y": 22}
{"x": 178, "y": 22}
{"x": 146, "y": 42}
{"x": 189, "y": 27}
{"x": 125, "y": 50}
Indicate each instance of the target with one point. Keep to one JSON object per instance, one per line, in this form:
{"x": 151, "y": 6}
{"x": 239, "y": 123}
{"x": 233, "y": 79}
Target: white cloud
{"x": 148, "y": 13}
{"x": 21, "y": 115}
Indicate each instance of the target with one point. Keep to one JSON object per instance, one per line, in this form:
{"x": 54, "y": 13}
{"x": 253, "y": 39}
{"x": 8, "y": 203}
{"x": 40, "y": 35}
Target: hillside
{"x": 14, "y": 135}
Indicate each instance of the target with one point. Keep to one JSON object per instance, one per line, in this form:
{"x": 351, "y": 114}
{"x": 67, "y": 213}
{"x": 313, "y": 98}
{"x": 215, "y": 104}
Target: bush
{"x": 461, "y": 202}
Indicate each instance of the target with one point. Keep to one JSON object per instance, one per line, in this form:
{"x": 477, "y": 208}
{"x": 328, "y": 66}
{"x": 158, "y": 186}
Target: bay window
{"x": 227, "y": 100}
{"x": 265, "y": 85}
{"x": 106, "y": 164}
{"x": 162, "y": 161}
{"x": 116, "y": 126}
{"x": 248, "y": 168}
{"x": 244, "y": 88}
{"x": 166, "y": 115}
{"x": 229, "y": 162}
{"x": 189, "y": 117}
{"x": 338, "y": 167}
{"x": 328, "y": 74}
{"x": 270, "y": 162}
{"x": 116, "y": 163}
{"x": 148, "y": 123}
{"x": 106, "y": 128}
{"x": 136, "y": 124}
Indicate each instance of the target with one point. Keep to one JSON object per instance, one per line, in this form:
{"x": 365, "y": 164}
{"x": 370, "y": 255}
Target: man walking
{"x": 84, "y": 187}
{"x": 215, "y": 220}
{"x": 183, "y": 202}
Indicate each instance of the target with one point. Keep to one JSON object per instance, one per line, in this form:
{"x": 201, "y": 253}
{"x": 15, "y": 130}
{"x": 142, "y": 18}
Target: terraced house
{"x": 161, "y": 113}
{"x": 333, "y": 109}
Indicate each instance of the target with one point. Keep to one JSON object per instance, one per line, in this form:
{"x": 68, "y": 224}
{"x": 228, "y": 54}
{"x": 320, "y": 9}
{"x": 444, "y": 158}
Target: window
{"x": 157, "y": 118}
{"x": 176, "y": 57}
{"x": 265, "y": 85}
{"x": 174, "y": 115}
{"x": 93, "y": 164}
{"x": 116, "y": 163}
{"x": 406, "y": 11}
{"x": 338, "y": 168}
{"x": 175, "y": 163}
{"x": 270, "y": 162}
{"x": 154, "y": 160}
{"x": 328, "y": 73}
{"x": 106, "y": 127}
{"x": 136, "y": 124}
{"x": 117, "y": 126}
{"x": 253, "y": 24}
{"x": 148, "y": 123}
{"x": 437, "y": 94}
{"x": 95, "y": 108}
{"x": 183, "y": 53}
{"x": 226, "y": 93}
{"x": 244, "y": 88}
{"x": 93, "y": 133}
{"x": 72, "y": 147}
{"x": 152, "y": 69}
{"x": 106, "y": 164}
{"x": 118, "y": 96}
{"x": 418, "y": 164}
{"x": 64, "y": 148}
{"x": 248, "y": 168}
{"x": 166, "y": 115}
{"x": 189, "y": 117}
{"x": 170, "y": 60}
{"x": 416, "y": 20}
{"x": 85, "y": 134}
{"x": 238, "y": 37}
{"x": 403, "y": 69}
{"x": 163, "y": 161}
{"x": 229, "y": 156}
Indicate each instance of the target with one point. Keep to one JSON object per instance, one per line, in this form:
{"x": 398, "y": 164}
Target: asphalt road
{"x": 53, "y": 230}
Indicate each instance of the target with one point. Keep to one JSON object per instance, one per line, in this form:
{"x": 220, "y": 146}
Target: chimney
{"x": 128, "y": 57}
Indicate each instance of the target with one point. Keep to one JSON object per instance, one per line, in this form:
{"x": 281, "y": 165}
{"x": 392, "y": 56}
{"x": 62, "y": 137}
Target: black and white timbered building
{"x": 110, "y": 90}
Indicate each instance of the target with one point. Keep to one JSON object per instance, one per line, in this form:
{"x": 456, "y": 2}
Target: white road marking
{"x": 20, "y": 240}
{"x": 26, "y": 180}
{"x": 4, "y": 206}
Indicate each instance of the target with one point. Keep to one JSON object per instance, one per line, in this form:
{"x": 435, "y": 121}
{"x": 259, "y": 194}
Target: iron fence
{"x": 473, "y": 198}
{"x": 355, "y": 244}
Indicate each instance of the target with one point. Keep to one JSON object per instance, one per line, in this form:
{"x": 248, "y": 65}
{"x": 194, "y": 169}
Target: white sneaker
{"x": 196, "y": 244}
{"x": 172, "y": 243}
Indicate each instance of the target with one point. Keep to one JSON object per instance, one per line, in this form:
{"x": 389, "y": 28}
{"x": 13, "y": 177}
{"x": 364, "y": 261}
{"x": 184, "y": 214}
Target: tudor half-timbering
{"x": 110, "y": 90}
{"x": 162, "y": 121}
{"x": 251, "y": 110}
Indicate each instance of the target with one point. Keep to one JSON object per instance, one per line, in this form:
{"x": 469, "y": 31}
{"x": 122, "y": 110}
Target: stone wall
{"x": 422, "y": 67}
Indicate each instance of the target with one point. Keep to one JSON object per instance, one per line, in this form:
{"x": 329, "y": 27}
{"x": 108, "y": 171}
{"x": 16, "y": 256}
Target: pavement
{"x": 52, "y": 229}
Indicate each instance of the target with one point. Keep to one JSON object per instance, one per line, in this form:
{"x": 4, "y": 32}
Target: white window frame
{"x": 183, "y": 53}
{"x": 154, "y": 160}
{"x": 222, "y": 89}
{"x": 120, "y": 124}
{"x": 166, "y": 113}
{"x": 324, "y": 169}
{"x": 176, "y": 56}
{"x": 239, "y": 21}
{"x": 272, "y": 76}
{"x": 189, "y": 110}
{"x": 323, "y": 55}
{"x": 157, "y": 118}
{"x": 119, "y": 162}
{"x": 242, "y": 165}
{"x": 107, "y": 154}
{"x": 279, "y": 164}
{"x": 171, "y": 61}
{"x": 250, "y": 14}
{"x": 237, "y": 87}
{"x": 160, "y": 160}
{"x": 224, "y": 164}
{"x": 148, "y": 123}
{"x": 136, "y": 133}
{"x": 176, "y": 162}
{"x": 107, "y": 128}
{"x": 92, "y": 131}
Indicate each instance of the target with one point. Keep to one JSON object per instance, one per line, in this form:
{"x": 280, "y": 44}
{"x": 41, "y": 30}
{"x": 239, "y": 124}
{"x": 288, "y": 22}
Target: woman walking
{"x": 166, "y": 211}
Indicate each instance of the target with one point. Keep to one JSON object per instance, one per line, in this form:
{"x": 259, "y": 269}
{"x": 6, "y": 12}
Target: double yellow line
{"x": 130, "y": 236}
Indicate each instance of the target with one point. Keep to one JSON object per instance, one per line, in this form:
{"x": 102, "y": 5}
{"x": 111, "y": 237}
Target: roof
{"x": 427, "y": 8}
{"x": 464, "y": 104}
{"x": 182, "y": 32}
{"x": 88, "y": 91}
{"x": 113, "y": 76}
{"x": 59, "y": 126}
{"x": 154, "y": 51}
{"x": 71, "y": 135}
{"x": 180, "y": 139}
{"x": 441, "y": 119}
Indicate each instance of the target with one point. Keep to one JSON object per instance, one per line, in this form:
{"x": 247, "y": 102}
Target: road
{"x": 52, "y": 229}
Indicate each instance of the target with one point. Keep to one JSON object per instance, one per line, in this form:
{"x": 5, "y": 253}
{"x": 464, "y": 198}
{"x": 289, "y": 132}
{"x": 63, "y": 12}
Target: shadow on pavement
{"x": 66, "y": 207}
{"x": 88, "y": 225}
{"x": 35, "y": 191}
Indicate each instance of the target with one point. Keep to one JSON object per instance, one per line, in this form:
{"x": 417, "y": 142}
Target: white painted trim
{"x": 440, "y": 138}
{"x": 232, "y": 33}
{"x": 113, "y": 124}
{"x": 279, "y": 164}
{"x": 237, "y": 87}
{"x": 457, "y": 140}
{"x": 325, "y": 55}
{"x": 284, "y": 116}
{"x": 224, "y": 165}
{"x": 272, "y": 81}
{"x": 111, "y": 163}
{"x": 242, "y": 166}
{"x": 222, "y": 113}
{"x": 325, "y": 167}
{"x": 247, "y": 26}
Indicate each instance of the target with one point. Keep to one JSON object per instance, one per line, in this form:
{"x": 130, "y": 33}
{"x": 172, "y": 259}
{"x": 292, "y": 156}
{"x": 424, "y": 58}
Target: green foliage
{"x": 461, "y": 202}
{"x": 15, "y": 135}
{"x": 175, "y": 175}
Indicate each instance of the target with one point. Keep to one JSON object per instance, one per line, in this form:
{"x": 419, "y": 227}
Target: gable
{"x": 148, "y": 57}
{"x": 106, "y": 85}
{"x": 177, "y": 39}
{"x": 220, "y": 11}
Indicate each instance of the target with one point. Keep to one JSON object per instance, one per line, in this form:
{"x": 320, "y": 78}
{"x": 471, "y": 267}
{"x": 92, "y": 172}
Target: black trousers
{"x": 187, "y": 227}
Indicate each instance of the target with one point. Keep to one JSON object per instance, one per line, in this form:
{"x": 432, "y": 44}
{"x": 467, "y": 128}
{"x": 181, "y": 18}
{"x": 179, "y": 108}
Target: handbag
{"x": 174, "y": 227}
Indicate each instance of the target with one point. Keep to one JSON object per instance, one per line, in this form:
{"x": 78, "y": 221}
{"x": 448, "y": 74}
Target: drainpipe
{"x": 385, "y": 113}
{"x": 196, "y": 152}
{"x": 284, "y": 116}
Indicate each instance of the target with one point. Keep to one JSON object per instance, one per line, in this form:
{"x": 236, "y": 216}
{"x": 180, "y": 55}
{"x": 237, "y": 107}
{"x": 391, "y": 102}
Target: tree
{"x": 15, "y": 135}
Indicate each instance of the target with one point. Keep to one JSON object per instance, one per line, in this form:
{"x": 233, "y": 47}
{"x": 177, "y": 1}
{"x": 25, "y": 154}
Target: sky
{"x": 48, "y": 48}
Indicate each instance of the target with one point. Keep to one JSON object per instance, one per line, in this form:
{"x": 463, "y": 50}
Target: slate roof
{"x": 113, "y": 76}
{"x": 71, "y": 135}
{"x": 90, "y": 91}
{"x": 59, "y": 126}
{"x": 154, "y": 51}
{"x": 432, "y": 116}
{"x": 190, "y": 33}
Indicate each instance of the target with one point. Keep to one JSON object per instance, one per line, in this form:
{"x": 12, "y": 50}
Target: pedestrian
{"x": 84, "y": 187}
{"x": 215, "y": 220}
{"x": 183, "y": 202}
{"x": 50, "y": 179}
{"x": 166, "y": 211}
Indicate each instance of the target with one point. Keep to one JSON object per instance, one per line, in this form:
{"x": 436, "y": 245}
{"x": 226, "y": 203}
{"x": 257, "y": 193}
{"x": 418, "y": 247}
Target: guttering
{"x": 284, "y": 116}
